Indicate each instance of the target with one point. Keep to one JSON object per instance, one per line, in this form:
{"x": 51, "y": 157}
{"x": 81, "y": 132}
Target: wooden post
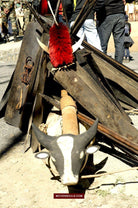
{"x": 69, "y": 114}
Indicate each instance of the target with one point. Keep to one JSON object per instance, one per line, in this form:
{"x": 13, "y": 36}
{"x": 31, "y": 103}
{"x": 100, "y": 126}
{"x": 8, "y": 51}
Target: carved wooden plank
{"x": 19, "y": 90}
{"x": 39, "y": 87}
{"x": 122, "y": 79}
{"x": 85, "y": 60}
{"x": 126, "y": 78}
{"x": 85, "y": 90}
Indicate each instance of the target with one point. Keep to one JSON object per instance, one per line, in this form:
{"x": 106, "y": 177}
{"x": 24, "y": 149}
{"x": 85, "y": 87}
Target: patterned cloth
{"x": 8, "y": 12}
{"x": 27, "y": 14}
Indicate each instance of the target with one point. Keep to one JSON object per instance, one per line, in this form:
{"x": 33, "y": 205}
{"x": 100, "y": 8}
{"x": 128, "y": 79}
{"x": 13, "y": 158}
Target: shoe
{"x": 16, "y": 39}
{"x": 1, "y": 39}
{"x": 126, "y": 60}
{"x": 5, "y": 39}
{"x": 131, "y": 58}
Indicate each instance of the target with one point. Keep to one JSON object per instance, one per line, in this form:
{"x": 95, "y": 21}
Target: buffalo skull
{"x": 67, "y": 151}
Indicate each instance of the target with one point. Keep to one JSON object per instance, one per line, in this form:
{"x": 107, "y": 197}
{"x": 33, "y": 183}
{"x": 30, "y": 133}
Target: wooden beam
{"x": 110, "y": 134}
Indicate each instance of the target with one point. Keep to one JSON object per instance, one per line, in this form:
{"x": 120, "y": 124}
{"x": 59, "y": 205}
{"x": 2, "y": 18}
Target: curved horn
{"x": 43, "y": 138}
{"x": 43, "y": 46}
{"x": 87, "y": 136}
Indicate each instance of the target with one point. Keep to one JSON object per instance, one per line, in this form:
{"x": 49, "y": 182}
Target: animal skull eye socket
{"x": 42, "y": 155}
{"x": 92, "y": 149}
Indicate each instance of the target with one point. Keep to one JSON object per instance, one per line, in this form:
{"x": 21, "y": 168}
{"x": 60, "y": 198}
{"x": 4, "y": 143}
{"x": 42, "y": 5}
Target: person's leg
{"x": 104, "y": 31}
{"x": 26, "y": 17}
{"x": 4, "y": 25}
{"x": 12, "y": 17}
{"x": 91, "y": 33}
{"x": 127, "y": 51}
{"x": 10, "y": 27}
{"x": 127, "y": 54}
{"x": 130, "y": 57}
{"x": 118, "y": 34}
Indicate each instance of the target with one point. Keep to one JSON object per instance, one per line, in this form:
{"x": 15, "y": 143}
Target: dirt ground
{"x": 25, "y": 182}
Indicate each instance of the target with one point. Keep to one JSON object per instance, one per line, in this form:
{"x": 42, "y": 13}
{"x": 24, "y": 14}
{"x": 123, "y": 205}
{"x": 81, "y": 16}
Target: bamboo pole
{"x": 106, "y": 174}
{"x": 69, "y": 114}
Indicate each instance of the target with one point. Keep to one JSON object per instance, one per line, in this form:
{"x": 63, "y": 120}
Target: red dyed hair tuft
{"x": 60, "y": 45}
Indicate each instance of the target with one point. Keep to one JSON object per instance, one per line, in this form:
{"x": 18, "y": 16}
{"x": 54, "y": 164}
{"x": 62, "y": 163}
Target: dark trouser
{"x": 126, "y": 53}
{"x": 114, "y": 24}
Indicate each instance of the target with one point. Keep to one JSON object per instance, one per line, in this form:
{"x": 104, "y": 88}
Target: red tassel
{"x": 60, "y": 50}
{"x": 44, "y": 7}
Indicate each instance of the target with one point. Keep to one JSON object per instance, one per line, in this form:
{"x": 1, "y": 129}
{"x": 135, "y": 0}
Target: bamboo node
{"x": 66, "y": 100}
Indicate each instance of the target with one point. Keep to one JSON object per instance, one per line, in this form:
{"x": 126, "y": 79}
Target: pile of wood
{"x": 101, "y": 87}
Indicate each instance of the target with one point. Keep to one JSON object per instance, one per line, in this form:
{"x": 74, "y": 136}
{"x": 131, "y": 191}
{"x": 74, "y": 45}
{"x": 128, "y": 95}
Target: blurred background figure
{"x": 26, "y": 11}
{"x": 126, "y": 8}
{"x": 8, "y": 13}
{"x": 88, "y": 30}
{"x": 111, "y": 20}
{"x": 19, "y": 16}
{"x": 128, "y": 42}
{"x": 136, "y": 10}
{"x": 131, "y": 8}
{"x": 1, "y": 39}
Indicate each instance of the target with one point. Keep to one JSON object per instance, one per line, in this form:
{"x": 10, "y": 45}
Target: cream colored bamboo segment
{"x": 69, "y": 114}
